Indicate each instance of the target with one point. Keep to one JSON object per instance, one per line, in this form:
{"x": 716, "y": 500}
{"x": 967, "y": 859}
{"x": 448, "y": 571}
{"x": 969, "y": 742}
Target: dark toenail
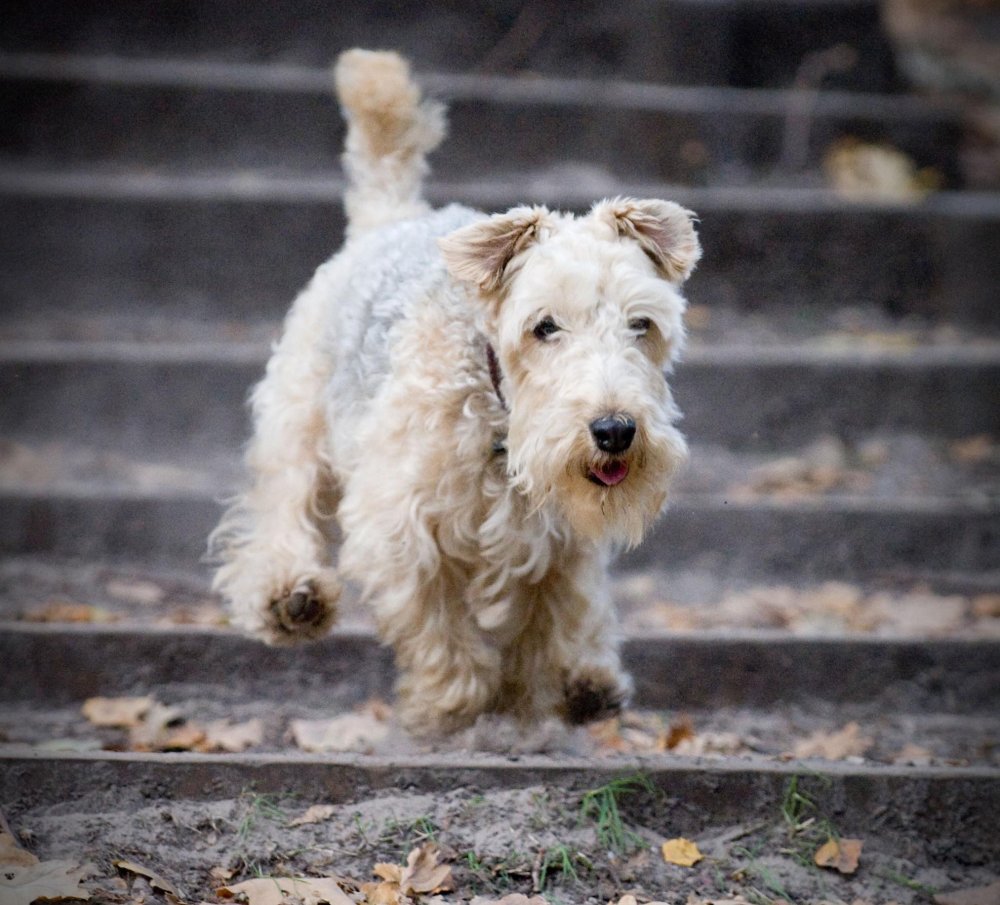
{"x": 301, "y": 607}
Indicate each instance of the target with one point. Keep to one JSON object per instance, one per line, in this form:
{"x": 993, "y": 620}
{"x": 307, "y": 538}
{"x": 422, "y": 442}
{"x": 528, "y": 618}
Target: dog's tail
{"x": 390, "y": 131}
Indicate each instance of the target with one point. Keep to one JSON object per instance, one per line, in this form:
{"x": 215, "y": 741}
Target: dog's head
{"x": 586, "y": 317}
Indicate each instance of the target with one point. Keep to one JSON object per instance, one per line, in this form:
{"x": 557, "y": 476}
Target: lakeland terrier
{"x": 480, "y": 404}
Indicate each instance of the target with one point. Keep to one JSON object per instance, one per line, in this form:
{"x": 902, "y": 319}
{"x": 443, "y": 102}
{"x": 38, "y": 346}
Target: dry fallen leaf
{"x": 975, "y": 895}
{"x": 156, "y": 728}
{"x": 316, "y": 814}
{"x": 64, "y": 611}
{"x": 155, "y": 880}
{"x": 221, "y": 735}
{"x": 913, "y": 754}
{"x": 383, "y": 893}
{"x": 840, "y": 854}
{"x": 120, "y": 713}
{"x": 681, "y": 851}
{"x": 862, "y": 171}
{"x": 350, "y": 732}
{"x": 516, "y": 898}
{"x": 273, "y": 890}
{"x": 12, "y": 853}
{"x": 423, "y": 872}
{"x": 145, "y": 593}
{"x": 681, "y": 730}
{"x": 24, "y": 884}
{"x": 846, "y": 742}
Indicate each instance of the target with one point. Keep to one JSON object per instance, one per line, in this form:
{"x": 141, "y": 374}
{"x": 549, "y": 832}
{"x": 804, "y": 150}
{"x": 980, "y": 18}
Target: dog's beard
{"x": 603, "y": 497}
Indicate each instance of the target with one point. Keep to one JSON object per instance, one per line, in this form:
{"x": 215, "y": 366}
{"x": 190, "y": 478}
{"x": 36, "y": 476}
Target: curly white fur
{"x": 475, "y": 522}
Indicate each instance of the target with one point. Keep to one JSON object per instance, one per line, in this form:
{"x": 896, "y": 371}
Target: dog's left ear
{"x": 481, "y": 252}
{"x": 664, "y": 231}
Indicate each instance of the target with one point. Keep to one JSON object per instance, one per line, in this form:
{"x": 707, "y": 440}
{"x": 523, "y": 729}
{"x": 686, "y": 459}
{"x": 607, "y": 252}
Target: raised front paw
{"x": 594, "y": 696}
{"x": 307, "y": 611}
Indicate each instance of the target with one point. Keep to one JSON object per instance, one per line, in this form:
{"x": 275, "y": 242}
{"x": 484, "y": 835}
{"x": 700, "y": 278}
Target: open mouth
{"x": 609, "y": 473}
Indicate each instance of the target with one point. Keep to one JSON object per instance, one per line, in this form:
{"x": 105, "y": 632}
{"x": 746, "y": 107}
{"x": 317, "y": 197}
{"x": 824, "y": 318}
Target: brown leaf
{"x": 12, "y": 853}
{"x": 391, "y": 873}
{"x": 316, "y": 814}
{"x": 65, "y": 611}
{"x": 839, "y": 854}
{"x": 154, "y": 730}
{"x": 120, "y": 713}
{"x": 913, "y": 754}
{"x": 155, "y": 880}
{"x": 383, "y": 893}
{"x": 144, "y": 593}
{"x": 49, "y": 880}
{"x": 221, "y": 735}
{"x": 680, "y": 730}
{"x": 515, "y": 898}
{"x": 423, "y": 873}
{"x": 975, "y": 895}
{"x": 682, "y": 852}
{"x": 350, "y": 732}
{"x": 273, "y": 890}
{"x": 846, "y": 742}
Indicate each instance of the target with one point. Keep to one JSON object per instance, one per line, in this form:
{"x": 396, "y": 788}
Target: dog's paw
{"x": 594, "y": 697}
{"x": 306, "y": 611}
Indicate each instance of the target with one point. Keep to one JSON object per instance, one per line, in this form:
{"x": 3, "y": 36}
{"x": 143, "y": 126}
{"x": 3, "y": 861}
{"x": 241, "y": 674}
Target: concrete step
{"x": 56, "y": 666}
{"x": 183, "y": 399}
{"x": 239, "y": 247}
{"x": 734, "y": 42}
{"x": 840, "y": 538}
{"x": 905, "y": 603}
{"x": 768, "y": 694}
{"x": 189, "y": 116}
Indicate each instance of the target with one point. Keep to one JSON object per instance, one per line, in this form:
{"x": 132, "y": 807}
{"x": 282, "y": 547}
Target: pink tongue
{"x": 610, "y": 474}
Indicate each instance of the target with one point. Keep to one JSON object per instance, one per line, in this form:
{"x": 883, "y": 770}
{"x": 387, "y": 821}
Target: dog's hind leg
{"x": 272, "y": 542}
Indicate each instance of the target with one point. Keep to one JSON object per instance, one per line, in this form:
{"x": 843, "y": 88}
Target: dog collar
{"x": 494, "y": 364}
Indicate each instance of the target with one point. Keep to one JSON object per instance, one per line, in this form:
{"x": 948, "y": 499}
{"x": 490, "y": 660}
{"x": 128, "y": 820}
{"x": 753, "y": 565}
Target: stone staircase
{"x": 169, "y": 180}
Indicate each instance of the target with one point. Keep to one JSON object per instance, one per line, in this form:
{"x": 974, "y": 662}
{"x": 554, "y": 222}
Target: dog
{"x": 480, "y": 405}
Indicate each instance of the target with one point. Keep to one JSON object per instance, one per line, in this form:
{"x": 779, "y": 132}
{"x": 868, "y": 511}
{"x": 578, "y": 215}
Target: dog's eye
{"x": 639, "y": 325}
{"x": 545, "y": 328}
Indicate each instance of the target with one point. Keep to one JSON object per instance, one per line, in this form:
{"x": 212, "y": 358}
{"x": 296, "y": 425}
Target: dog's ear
{"x": 664, "y": 231}
{"x": 479, "y": 253}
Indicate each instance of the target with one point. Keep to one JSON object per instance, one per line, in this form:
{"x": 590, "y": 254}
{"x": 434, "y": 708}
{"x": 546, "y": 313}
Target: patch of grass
{"x": 563, "y": 859}
{"x": 894, "y": 876}
{"x": 423, "y": 829}
{"x": 256, "y": 808}
{"x": 601, "y": 806}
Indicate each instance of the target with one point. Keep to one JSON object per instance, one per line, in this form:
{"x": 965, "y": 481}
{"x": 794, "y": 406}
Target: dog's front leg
{"x": 272, "y": 542}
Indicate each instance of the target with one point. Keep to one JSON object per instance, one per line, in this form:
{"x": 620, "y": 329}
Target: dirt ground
{"x": 530, "y": 841}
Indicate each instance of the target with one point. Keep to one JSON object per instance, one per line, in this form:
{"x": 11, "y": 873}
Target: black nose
{"x": 614, "y": 433}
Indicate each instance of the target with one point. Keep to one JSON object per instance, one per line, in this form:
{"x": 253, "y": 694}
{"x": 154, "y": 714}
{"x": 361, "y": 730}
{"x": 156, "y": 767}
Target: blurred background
{"x": 170, "y": 178}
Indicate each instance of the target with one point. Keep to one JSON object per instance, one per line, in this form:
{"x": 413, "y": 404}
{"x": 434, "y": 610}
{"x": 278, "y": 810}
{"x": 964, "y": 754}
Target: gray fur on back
{"x": 394, "y": 269}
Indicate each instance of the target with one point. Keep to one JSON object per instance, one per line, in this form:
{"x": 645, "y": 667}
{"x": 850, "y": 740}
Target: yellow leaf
{"x": 839, "y": 854}
{"x": 682, "y": 852}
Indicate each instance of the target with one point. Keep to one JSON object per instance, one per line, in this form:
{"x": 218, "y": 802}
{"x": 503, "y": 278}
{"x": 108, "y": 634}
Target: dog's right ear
{"x": 481, "y": 252}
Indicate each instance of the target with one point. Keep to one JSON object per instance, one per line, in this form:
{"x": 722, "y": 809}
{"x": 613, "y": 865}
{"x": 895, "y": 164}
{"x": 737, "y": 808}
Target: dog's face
{"x": 586, "y": 316}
